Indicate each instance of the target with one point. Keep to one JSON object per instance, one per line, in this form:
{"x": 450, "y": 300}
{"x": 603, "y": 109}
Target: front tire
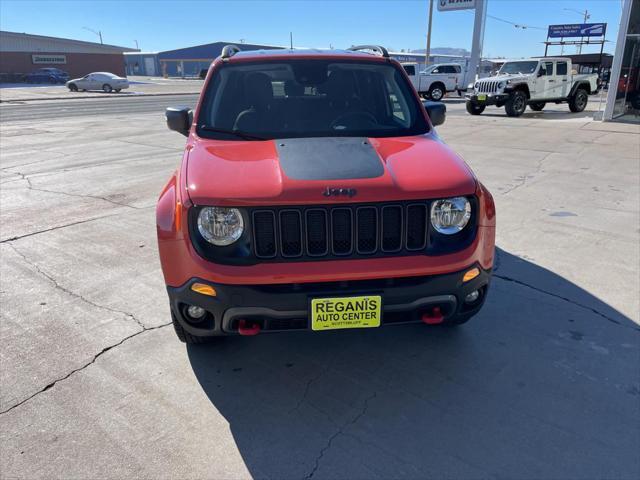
{"x": 436, "y": 92}
{"x": 579, "y": 101}
{"x": 106, "y": 88}
{"x": 474, "y": 108}
{"x": 186, "y": 337}
{"x": 537, "y": 106}
{"x": 73, "y": 87}
{"x": 516, "y": 104}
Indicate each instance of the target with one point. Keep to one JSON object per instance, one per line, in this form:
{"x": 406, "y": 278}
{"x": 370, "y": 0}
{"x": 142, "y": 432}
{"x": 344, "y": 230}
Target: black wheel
{"x": 516, "y": 104}
{"x": 73, "y": 87}
{"x": 537, "y": 106}
{"x": 436, "y": 92}
{"x": 579, "y": 101}
{"x": 106, "y": 88}
{"x": 186, "y": 337}
{"x": 474, "y": 108}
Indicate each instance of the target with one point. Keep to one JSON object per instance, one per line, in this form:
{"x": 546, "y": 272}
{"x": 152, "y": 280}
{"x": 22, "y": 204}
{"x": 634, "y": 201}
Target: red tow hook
{"x": 247, "y": 328}
{"x": 433, "y": 317}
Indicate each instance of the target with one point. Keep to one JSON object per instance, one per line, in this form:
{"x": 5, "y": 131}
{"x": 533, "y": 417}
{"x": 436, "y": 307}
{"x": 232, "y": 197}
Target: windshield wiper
{"x": 235, "y": 133}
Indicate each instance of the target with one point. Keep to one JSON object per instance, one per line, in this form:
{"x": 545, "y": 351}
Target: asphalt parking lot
{"x": 544, "y": 383}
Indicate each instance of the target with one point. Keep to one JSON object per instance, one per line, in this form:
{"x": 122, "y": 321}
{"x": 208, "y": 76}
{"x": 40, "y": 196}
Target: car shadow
{"x": 543, "y": 383}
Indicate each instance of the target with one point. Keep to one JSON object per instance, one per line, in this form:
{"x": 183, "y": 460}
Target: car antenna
{"x": 291, "y": 39}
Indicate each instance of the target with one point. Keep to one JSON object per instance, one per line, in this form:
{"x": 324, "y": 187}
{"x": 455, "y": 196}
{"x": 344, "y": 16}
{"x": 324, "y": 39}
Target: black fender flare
{"x": 518, "y": 86}
{"x": 580, "y": 84}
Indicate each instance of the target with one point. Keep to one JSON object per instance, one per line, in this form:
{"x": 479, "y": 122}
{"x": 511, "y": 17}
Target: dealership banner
{"x": 48, "y": 59}
{"x": 577, "y": 30}
{"x": 447, "y": 5}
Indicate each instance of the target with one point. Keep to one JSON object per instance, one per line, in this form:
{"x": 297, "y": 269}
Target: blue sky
{"x": 164, "y": 25}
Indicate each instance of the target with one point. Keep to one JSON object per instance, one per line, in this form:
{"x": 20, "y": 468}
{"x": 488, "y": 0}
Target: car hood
{"x": 324, "y": 170}
{"x": 504, "y": 78}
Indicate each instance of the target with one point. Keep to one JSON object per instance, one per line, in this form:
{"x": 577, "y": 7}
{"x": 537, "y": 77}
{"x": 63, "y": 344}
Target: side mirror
{"x": 179, "y": 119}
{"x": 437, "y": 111}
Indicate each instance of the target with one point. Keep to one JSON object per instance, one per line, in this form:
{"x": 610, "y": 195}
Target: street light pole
{"x": 97, "y": 32}
{"x": 428, "y": 50}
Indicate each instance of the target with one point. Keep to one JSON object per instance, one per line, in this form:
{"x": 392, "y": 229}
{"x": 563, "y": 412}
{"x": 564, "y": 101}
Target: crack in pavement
{"x": 566, "y": 299}
{"x": 526, "y": 176}
{"x": 71, "y": 293}
{"x": 340, "y": 431}
{"x": 78, "y": 195}
{"x": 307, "y": 387}
{"x": 58, "y": 227}
{"x": 75, "y": 370}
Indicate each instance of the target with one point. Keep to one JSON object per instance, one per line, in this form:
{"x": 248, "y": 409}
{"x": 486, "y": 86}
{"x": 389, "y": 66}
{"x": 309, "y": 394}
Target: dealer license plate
{"x": 482, "y": 97}
{"x": 346, "y": 312}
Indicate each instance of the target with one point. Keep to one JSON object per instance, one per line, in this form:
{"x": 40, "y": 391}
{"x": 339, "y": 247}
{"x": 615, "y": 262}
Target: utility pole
{"x": 585, "y": 17}
{"x": 291, "y": 40}
{"x": 428, "y": 50}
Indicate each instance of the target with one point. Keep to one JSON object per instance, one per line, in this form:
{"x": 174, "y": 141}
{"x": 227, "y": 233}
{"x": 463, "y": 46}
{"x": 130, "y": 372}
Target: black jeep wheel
{"x": 474, "y": 108}
{"x": 537, "y": 106}
{"x": 186, "y": 337}
{"x": 579, "y": 101}
{"x": 516, "y": 103}
{"x": 436, "y": 92}
{"x": 73, "y": 87}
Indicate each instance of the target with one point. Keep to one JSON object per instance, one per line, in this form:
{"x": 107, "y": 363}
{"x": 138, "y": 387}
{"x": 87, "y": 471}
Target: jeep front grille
{"x": 488, "y": 86}
{"x": 339, "y": 231}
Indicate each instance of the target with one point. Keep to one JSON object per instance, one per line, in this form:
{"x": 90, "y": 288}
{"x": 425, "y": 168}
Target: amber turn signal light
{"x": 204, "y": 289}
{"x": 470, "y": 275}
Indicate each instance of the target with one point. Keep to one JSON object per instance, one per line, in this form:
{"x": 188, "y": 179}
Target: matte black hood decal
{"x": 328, "y": 158}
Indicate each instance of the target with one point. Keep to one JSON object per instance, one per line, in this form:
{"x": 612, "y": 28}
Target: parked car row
{"x": 47, "y": 75}
{"x": 105, "y": 81}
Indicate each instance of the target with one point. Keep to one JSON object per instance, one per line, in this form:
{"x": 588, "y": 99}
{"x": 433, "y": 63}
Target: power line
{"x": 516, "y": 25}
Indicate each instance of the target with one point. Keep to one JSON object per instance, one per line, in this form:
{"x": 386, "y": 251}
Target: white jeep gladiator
{"x": 436, "y": 80}
{"x": 532, "y": 82}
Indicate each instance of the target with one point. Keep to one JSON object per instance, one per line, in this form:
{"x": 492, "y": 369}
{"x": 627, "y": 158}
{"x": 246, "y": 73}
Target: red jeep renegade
{"x": 315, "y": 194}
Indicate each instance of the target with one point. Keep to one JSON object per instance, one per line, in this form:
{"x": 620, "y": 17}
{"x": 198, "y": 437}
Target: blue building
{"x": 183, "y": 62}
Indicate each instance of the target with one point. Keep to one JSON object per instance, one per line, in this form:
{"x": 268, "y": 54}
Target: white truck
{"x": 436, "y": 80}
{"x": 534, "y": 82}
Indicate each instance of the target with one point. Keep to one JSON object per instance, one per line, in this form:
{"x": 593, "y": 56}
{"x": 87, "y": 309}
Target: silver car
{"x": 105, "y": 81}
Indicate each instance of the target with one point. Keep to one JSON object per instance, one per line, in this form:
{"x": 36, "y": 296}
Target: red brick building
{"x": 22, "y": 53}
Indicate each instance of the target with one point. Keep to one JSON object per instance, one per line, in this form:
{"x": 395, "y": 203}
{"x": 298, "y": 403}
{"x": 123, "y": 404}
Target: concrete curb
{"x": 95, "y": 96}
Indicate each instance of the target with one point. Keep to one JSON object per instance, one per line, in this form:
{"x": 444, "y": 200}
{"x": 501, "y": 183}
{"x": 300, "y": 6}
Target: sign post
{"x": 480, "y": 7}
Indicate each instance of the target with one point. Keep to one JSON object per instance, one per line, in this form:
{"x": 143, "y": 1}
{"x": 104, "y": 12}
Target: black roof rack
{"x": 229, "y": 51}
{"x": 376, "y": 48}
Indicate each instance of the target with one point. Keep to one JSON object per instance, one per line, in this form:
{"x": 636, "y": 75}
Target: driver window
{"x": 546, "y": 69}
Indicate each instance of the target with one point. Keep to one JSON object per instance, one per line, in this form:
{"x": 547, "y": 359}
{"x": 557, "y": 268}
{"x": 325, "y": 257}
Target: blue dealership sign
{"x": 577, "y": 30}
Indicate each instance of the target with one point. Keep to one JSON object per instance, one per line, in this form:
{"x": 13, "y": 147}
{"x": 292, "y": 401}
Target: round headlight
{"x": 450, "y": 215}
{"x": 477, "y": 84}
{"x": 502, "y": 85}
{"x": 220, "y": 226}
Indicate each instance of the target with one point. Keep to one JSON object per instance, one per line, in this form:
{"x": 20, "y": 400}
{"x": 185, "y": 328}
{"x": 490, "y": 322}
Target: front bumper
{"x": 284, "y": 307}
{"x": 487, "y": 98}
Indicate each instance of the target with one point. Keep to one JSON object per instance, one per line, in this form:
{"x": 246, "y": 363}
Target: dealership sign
{"x": 447, "y": 5}
{"x": 577, "y": 30}
{"x": 48, "y": 59}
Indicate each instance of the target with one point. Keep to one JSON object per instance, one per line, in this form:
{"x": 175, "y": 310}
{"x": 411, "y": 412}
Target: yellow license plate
{"x": 482, "y": 98}
{"x": 346, "y": 312}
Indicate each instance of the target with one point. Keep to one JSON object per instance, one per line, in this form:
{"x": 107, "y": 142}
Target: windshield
{"x": 519, "y": 67}
{"x": 309, "y": 98}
